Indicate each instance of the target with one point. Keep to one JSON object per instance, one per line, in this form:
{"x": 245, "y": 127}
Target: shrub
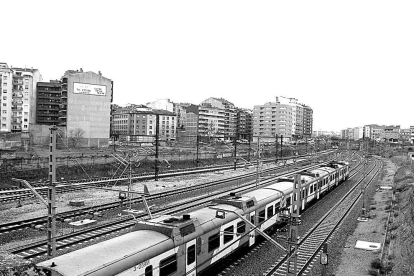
{"x": 373, "y": 272}
{"x": 376, "y": 263}
{"x": 373, "y": 207}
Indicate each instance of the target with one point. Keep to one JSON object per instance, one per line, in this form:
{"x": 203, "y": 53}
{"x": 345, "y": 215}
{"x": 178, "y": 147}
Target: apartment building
{"x": 307, "y": 121}
{"x": 244, "y": 124}
{"x": 392, "y": 133}
{"x": 47, "y": 102}
{"x": 18, "y": 98}
{"x": 405, "y": 135}
{"x": 137, "y": 123}
{"x": 211, "y": 122}
{"x": 188, "y": 131}
{"x": 85, "y": 106}
{"x": 230, "y": 115}
{"x": 284, "y": 117}
{"x": 412, "y": 134}
{"x": 6, "y": 88}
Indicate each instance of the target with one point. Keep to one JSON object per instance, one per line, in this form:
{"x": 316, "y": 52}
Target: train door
{"x": 252, "y": 234}
{"x": 191, "y": 260}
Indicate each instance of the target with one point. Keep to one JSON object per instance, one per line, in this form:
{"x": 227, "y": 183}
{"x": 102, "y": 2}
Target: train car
{"x": 186, "y": 245}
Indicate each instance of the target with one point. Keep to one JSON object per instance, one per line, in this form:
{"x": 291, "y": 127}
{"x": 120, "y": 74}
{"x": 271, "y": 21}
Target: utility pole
{"x": 281, "y": 147}
{"x": 257, "y": 161}
{"x": 235, "y": 152}
{"x": 51, "y": 196}
{"x": 197, "y": 141}
{"x": 130, "y": 179}
{"x": 157, "y": 135}
{"x": 197, "y": 150}
{"x": 292, "y": 265}
{"x": 248, "y": 154}
{"x": 306, "y": 143}
{"x": 275, "y": 148}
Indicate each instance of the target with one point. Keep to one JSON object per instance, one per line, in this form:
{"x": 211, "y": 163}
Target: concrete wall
{"x": 91, "y": 113}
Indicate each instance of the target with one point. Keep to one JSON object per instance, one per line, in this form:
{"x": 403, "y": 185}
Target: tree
{"x": 75, "y": 136}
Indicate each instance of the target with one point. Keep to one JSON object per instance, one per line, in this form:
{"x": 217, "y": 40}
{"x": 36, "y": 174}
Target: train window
{"x": 277, "y": 207}
{"x": 213, "y": 242}
{"x": 168, "y": 266}
{"x": 148, "y": 270}
{"x": 228, "y": 234}
{"x": 241, "y": 227}
{"x": 252, "y": 219}
{"x": 261, "y": 216}
{"x": 288, "y": 200}
{"x": 250, "y": 203}
{"x": 310, "y": 189}
{"x": 270, "y": 211}
{"x": 191, "y": 256}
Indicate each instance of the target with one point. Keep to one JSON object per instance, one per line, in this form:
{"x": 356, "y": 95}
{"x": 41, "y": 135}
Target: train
{"x": 189, "y": 244}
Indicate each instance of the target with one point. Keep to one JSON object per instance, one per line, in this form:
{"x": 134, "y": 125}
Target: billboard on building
{"x": 89, "y": 89}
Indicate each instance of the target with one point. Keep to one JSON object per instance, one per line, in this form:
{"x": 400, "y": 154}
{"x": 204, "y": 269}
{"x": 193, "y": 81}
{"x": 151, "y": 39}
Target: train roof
{"x": 108, "y": 253}
{"x": 322, "y": 171}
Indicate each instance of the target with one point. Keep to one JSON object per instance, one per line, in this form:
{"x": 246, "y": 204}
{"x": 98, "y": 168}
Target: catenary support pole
{"x": 51, "y": 196}
{"x": 292, "y": 265}
{"x": 157, "y": 136}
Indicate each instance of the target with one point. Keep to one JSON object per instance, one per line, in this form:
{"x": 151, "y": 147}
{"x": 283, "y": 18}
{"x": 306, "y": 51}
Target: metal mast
{"x": 51, "y": 196}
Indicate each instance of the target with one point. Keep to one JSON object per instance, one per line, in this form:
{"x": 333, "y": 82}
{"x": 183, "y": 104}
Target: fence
{"x": 20, "y": 164}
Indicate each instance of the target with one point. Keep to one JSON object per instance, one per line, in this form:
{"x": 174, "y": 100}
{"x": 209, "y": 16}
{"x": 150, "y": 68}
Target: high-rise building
{"x": 211, "y": 122}
{"x": 230, "y": 115}
{"x": 6, "y": 87}
{"x": 86, "y": 106}
{"x": 48, "y": 101}
{"x": 18, "y": 98}
{"x": 284, "y": 117}
{"x": 244, "y": 124}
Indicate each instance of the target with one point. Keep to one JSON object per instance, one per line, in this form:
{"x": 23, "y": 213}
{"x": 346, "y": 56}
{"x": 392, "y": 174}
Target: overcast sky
{"x": 351, "y": 61}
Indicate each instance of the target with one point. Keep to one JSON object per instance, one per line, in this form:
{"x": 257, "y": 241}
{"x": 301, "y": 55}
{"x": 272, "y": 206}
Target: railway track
{"x": 234, "y": 261}
{"x": 39, "y": 222}
{"x": 15, "y": 194}
{"x": 37, "y": 249}
{"x": 310, "y": 245}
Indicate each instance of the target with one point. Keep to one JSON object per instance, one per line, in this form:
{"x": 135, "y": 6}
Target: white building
{"x": 18, "y": 98}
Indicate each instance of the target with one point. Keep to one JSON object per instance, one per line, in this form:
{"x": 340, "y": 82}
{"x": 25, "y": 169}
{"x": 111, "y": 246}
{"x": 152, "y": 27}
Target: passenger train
{"x": 189, "y": 244}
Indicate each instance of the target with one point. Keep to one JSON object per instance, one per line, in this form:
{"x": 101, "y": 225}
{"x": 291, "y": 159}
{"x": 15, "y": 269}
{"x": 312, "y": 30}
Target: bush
{"x": 373, "y": 272}
{"x": 376, "y": 263}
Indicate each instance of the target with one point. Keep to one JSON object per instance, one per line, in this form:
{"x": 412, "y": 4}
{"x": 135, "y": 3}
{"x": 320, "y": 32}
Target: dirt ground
{"x": 357, "y": 262}
{"x": 391, "y": 223}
